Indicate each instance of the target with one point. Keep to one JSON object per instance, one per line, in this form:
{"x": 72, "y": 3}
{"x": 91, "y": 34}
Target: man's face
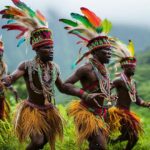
{"x": 103, "y": 55}
{"x": 45, "y": 53}
{"x": 129, "y": 70}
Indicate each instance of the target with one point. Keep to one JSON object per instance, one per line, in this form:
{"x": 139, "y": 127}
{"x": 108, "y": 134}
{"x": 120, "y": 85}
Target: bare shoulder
{"x": 85, "y": 68}
{"x": 117, "y": 81}
{"x": 22, "y": 65}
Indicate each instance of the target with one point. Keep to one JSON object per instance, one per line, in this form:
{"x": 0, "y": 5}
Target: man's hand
{"x": 113, "y": 97}
{"x": 148, "y": 104}
{"x": 7, "y": 80}
{"x": 91, "y": 98}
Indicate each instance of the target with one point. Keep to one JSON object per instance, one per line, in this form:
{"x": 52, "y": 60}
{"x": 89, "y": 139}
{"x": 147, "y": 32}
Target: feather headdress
{"x": 91, "y": 29}
{"x": 121, "y": 53}
{"x": 1, "y": 44}
{"x": 28, "y": 22}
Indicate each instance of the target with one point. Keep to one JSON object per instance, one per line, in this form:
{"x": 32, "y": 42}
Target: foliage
{"x": 8, "y": 141}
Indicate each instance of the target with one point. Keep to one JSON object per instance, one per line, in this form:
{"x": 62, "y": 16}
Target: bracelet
{"x": 81, "y": 91}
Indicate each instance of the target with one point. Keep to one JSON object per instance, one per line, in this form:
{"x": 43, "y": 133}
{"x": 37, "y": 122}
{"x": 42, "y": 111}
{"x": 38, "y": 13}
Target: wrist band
{"x": 81, "y": 91}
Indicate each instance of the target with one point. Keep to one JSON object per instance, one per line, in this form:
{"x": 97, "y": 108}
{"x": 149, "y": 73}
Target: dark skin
{"x": 124, "y": 101}
{"x": 86, "y": 75}
{"x": 8, "y": 87}
{"x": 45, "y": 53}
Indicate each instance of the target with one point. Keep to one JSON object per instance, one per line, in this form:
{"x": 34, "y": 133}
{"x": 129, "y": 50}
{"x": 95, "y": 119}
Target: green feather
{"x": 27, "y": 10}
{"x": 8, "y": 16}
{"x": 82, "y": 19}
{"x": 99, "y": 29}
{"x": 7, "y": 6}
{"x": 69, "y": 22}
{"x": 106, "y": 26}
{"x": 24, "y": 7}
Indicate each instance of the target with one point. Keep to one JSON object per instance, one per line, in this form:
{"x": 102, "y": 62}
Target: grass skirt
{"x": 31, "y": 119}
{"x": 86, "y": 122}
{"x": 130, "y": 119}
{"x": 4, "y": 109}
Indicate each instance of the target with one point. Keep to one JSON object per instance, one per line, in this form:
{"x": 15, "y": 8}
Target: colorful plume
{"x": 88, "y": 26}
{"x": 23, "y": 19}
{"x": 91, "y": 16}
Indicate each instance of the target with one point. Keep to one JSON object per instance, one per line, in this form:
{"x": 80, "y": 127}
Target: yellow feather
{"x": 131, "y": 48}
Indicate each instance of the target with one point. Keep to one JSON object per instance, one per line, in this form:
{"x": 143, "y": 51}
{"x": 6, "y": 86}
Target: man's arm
{"x": 69, "y": 88}
{"x": 9, "y": 79}
{"x": 140, "y": 101}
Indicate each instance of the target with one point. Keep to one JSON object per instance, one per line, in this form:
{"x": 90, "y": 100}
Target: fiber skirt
{"x": 129, "y": 119}
{"x": 4, "y": 109}
{"x": 31, "y": 119}
{"x": 87, "y": 121}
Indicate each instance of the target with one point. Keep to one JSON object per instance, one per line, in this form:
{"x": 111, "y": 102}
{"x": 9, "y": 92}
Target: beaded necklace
{"x": 130, "y": 86}
{"x": 103, "y": 77}
{"x": 47, "y": 74}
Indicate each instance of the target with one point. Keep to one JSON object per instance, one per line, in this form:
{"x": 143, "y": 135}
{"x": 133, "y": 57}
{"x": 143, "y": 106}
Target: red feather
{"x": 21, "y": 34}
{"x": 14, "y": 27}
{"x": 94, "y": 20}
{"x": 81, "y": 37}
{"x": 3, "y": 11}
{"x": 16, "y": 1}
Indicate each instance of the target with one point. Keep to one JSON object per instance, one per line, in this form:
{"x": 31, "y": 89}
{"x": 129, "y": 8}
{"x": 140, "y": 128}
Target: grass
{"x": 8, "y": 141}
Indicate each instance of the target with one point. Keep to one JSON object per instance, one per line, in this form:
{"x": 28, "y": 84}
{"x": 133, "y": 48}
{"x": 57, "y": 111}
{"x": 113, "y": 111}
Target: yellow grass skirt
{"x": 86, "y": 122}
{"x": 31, "y": 119}
{"x": 4, "y": 108}
{"x": 132, "y": 121}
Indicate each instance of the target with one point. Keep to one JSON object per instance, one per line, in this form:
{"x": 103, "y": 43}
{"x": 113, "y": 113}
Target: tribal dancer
{"x": 89, "y": 113}
{"x": 37, "y": 117}
{"x": 4, "y": 106}
{"x": 121, "y": 118}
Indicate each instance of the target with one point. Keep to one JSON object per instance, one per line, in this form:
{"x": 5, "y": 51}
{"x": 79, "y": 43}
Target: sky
{"x": 133, "y": 12}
